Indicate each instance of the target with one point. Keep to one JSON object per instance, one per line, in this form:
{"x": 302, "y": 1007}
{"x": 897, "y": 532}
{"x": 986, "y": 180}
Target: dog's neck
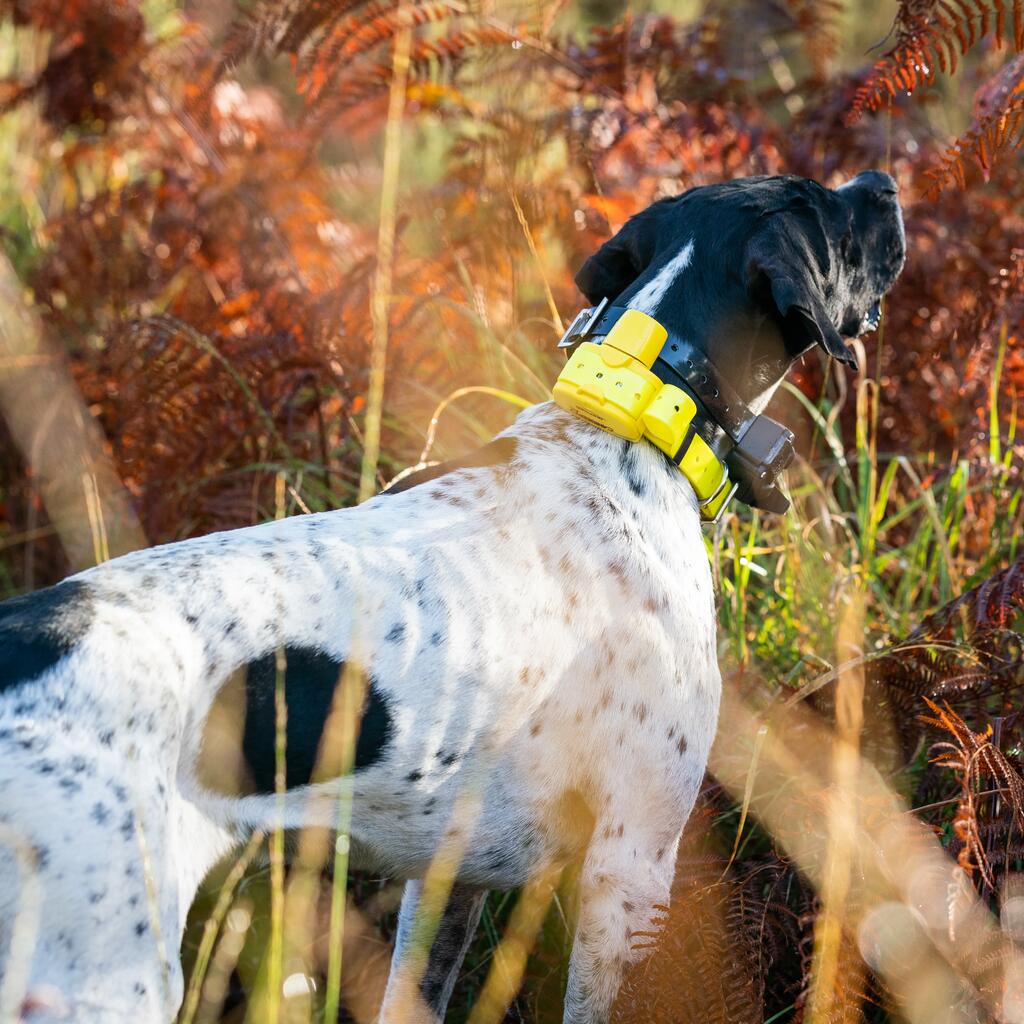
{"x": 747, "y": 349}
{"x": 748, "y": 354}
{"x": 633, "y": 475}
{"x": 695, "y": 415}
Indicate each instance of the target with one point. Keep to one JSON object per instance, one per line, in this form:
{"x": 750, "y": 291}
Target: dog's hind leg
{"x": 421, "y": 981}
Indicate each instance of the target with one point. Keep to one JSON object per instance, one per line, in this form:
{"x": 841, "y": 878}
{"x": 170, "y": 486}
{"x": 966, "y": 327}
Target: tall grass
{"x": 876, "y": 537}
{"x": 910, "y": 530}
{"x": 873, "y": 542}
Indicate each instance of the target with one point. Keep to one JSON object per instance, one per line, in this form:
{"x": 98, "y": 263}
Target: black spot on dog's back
{"x": 37, "y": 630}
{"x": 500, "y": 451}
{"x": 627, "y": 463}
{"x": 310, "y": 680}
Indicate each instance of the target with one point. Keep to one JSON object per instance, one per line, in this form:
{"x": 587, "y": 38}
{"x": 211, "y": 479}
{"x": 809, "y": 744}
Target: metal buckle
{"x": 581, "y": 325}
{"x": 723, "y": 506}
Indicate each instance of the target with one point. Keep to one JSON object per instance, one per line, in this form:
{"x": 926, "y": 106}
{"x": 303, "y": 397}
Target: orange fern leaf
{"x": 931, "y": 36}
{"x": 975, "y": 760}
{"x": 998, "y": 126}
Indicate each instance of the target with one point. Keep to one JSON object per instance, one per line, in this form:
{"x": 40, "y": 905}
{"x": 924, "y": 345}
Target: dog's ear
{"x": 782, "y": 267}
{"x": 624, "y": 257}
{"x": 610, "y": 271}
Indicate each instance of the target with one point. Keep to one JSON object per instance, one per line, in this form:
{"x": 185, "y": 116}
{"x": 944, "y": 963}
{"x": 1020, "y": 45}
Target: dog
{"x": 530, "y": 631}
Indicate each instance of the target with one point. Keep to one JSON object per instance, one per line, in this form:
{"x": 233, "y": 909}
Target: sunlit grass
{"x": 872, "y": 544}
{"x": 875, "y": 541}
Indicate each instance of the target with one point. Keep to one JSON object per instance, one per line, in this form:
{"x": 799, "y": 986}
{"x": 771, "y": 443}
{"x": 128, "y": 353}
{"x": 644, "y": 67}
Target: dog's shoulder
{"x": 499, "y": 452}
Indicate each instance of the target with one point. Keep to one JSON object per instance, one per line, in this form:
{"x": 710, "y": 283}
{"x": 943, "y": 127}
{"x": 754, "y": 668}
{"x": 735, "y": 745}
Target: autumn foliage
{"x": 197, "y": 227}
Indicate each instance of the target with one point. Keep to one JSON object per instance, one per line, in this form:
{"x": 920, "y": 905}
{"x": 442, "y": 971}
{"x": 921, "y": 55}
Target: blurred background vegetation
{"x": 191, "y": 206}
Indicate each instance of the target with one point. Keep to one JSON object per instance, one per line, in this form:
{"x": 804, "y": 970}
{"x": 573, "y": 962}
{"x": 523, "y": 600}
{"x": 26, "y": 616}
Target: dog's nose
{"x": 44, "y": 1002}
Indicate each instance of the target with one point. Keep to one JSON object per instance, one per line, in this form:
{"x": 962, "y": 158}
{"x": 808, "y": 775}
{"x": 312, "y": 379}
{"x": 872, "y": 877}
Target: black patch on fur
{"x": 457, "y": 923}
{"x": 500, "y": 451}
{"x": 627, "y": 464}
{"x": 37, "y": 630}
{"x": 311, "y": 678}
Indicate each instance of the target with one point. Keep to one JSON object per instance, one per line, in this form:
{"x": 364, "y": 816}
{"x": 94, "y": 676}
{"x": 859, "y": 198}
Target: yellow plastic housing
{"x": 606, "y": 387}
{"x": 612, "y": 386}
{"x": 638, "y": 335}
{"x": 666, "y": 421}
{"x": 668, "y": 417}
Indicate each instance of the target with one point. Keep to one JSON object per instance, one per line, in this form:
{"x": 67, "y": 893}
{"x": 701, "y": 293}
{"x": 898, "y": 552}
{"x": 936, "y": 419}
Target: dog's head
{"x": 756, "y": 271}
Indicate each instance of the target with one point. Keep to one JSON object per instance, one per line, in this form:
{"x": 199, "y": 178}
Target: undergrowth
{"x": 191, "y": 199}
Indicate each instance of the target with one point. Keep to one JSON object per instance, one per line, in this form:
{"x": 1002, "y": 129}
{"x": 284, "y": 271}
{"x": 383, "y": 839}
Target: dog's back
{"x": 481, "y": 618}
{"x": 528, "y": 640}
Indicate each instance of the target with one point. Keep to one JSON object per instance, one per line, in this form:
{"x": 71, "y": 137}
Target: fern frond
{"x": 701, "y": 972}
{"x": 981, "y": 144}
{"x": 352, "y": 38}
{"x": 931, "y": 36}
{"x": 967, "y": 650}
{"x": 289, "y": 26}
{"x": 976, "y": 762}
{"x": 429, "y": 61}
{"x": 818, "y": 21}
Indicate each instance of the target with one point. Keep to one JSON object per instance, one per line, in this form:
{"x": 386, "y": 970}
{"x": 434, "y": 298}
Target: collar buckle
{"x": 582, "y": 325}
{"x": 712, "y": 510}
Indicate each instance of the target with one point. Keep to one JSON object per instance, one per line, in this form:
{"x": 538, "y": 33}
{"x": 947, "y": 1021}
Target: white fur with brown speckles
{"x": 542, "y": 634}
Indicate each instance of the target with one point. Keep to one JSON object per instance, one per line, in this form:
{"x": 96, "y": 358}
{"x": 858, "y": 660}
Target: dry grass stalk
{"x": 437, "y": 885}
{"x": 508, "y": 965}
{"x": 842, "y": 811}
{"x": 334, "y": 762}
{"x": 381, "y": 295}
{"x": 153, "y": 906}
{"x": 225, "y": 897}
{"x": 897, "y": 898}
{"x": 25, "y": 926}
{"x": 225, "y": 958}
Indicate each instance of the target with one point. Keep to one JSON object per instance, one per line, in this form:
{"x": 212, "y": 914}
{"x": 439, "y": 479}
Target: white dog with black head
{"x": 531, "y": 630}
